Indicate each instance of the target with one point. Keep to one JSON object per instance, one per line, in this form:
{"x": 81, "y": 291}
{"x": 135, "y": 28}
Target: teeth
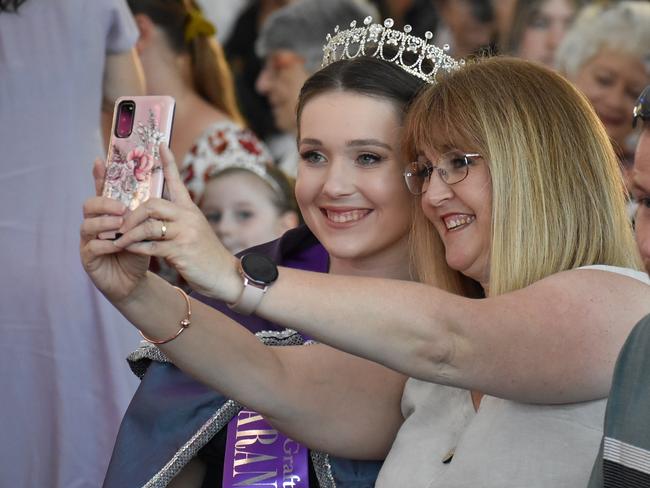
{"x": 454, "y": 222}
{"x": 342, "y": 217}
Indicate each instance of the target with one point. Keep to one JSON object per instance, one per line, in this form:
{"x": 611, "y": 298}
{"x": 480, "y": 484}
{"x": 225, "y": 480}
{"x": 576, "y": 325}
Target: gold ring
{"x": 163, "y": 230}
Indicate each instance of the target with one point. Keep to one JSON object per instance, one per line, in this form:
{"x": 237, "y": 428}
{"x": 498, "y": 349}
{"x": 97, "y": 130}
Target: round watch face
{"x": 259, "y": 268}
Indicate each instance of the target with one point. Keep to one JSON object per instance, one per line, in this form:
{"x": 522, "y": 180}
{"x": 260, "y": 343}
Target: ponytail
{"x": 188, "y": 31}
{"x": 213, "y": 79}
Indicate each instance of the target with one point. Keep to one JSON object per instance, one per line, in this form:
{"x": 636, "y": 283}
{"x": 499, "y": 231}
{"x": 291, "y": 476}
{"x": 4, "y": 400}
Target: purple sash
{"x": 259, "y": 455}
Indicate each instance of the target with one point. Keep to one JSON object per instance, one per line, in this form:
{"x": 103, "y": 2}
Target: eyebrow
{"x": 352, "y": 143}
{"x": 368, "y": 142}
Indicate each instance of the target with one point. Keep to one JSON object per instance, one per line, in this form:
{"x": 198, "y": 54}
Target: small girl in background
{"x": 248, "y": 205}
{"x": 230, "y": 175}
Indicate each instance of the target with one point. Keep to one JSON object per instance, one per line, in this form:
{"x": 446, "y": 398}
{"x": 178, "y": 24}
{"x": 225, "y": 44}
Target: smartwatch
{"x": 258, "y": 272}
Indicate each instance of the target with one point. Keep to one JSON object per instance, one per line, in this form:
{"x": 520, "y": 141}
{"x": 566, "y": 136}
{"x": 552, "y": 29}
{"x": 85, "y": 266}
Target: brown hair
{"x": 211, "y": 74}
{"x": 558, "y": 199}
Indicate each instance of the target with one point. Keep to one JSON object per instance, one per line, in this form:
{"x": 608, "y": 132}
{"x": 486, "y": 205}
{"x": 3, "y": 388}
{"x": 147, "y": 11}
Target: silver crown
{"x": 410, "y": 51}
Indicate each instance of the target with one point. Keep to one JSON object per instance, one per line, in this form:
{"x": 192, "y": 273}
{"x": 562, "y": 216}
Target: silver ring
{"x": 163, "y": 229}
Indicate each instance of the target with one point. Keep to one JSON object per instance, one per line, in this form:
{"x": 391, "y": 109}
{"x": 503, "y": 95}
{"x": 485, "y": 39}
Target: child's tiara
{"x": 407, "y": 51}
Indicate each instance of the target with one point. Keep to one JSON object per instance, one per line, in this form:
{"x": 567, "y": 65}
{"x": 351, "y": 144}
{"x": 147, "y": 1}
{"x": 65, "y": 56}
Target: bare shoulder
{"x": 563, "y": 333}
{"x": 608, "y": 284}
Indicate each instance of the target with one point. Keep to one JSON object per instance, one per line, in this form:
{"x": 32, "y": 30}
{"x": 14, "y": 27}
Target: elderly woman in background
{"x": 291, "y": 45}
{"x": 606, "y": 54}
{"x": 538, "y": 27}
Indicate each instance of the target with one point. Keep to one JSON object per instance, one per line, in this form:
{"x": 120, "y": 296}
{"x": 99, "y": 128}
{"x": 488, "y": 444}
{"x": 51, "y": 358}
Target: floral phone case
{"x": 133, "y": 167}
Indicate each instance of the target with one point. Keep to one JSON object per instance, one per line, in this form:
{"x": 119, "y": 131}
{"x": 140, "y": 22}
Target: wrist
{"x": 257, "y": 272}
{"x": 228, "y": 284}
{"x": 139, "y": 294}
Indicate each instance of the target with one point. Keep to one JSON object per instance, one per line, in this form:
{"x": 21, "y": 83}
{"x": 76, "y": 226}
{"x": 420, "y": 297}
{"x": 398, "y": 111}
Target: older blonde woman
{"x": 606, "y": 54}
{"x": 520, "y": 182}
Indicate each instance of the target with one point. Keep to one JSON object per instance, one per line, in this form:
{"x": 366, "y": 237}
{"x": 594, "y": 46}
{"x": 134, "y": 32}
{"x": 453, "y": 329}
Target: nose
{"x": 339, "y": 181}
{"x": 555, "y": 36}
{"x": 615, "y": 97}
{"x": 224, "y": 227}
{"x": 436, "y": 191}
{"x": 263, "y": 81}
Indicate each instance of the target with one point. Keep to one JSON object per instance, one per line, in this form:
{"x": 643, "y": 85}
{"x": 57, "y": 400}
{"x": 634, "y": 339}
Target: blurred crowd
{"x": 235, "y": 69}
{"x": 271, "y": 47}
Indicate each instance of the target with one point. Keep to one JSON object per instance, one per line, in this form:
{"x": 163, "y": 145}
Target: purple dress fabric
{"x": 64, "y": 382}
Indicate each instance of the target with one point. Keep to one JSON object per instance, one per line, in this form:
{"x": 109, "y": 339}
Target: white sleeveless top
{"x": 504, "y": 445}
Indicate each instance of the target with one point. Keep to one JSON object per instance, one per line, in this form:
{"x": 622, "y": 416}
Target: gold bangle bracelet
{"x": 185, "y": 323}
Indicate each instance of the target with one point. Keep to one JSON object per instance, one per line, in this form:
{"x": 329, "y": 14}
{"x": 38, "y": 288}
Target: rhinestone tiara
{"x": 370, "y": 40}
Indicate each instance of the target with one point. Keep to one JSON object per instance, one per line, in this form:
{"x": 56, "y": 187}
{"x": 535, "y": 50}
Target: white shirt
{"x": 505, "y": 444}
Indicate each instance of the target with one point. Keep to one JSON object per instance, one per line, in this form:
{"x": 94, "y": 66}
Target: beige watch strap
{"x": 250, "y": 297}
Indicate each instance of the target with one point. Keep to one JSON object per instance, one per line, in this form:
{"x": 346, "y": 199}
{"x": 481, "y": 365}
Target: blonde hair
{"x": 558, "y": 198}
{"x": 212, "y": 76}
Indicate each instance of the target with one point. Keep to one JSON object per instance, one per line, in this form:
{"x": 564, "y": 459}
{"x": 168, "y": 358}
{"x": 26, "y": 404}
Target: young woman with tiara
{"x": 519, "y": 181}
{"x": 358, "y": 214}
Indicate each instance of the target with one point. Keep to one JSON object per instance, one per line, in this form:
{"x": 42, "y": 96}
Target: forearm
{"x": 401, "y": 324}
{"x": 214, "y": 349}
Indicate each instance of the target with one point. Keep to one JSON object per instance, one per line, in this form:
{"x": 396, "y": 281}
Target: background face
{"x": 350, "y": 187}
{"x": 612, "y": 81}
{"x": 545, "y": 30}
{"x": 280, "y": 81}
{"x": 240, "y": 209}
{"x": 469, "y": 32}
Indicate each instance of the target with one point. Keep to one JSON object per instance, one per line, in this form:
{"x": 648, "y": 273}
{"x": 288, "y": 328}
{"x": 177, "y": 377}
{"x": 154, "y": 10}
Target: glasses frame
{"x": 441, "y": 172}
{"x": 642, "y": 107}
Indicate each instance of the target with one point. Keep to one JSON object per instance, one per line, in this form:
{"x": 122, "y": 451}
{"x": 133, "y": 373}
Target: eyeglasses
{"x": 452, "y": 167}
{"x": 642, "y": 107}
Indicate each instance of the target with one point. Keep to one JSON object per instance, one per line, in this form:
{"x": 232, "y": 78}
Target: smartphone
{"x": 133, "y": 167}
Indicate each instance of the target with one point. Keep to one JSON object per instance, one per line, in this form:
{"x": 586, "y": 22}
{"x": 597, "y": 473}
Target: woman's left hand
{"x": 177, "y": 231}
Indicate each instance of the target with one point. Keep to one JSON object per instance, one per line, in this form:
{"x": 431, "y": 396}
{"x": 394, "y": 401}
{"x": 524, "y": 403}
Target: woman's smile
{"x": 457, "y": 221}
{"x": 345, "y": 215}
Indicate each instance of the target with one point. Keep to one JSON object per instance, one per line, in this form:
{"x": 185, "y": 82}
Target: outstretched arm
{"x": 325, "y": 398}
{"x": 555, "y": 341}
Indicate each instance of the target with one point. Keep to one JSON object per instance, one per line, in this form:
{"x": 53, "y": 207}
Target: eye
{"x": 243, "y": 215}
{"x": 213, "y": 217}
{"x": 632, "y": 93}
{"x": 425, "y": 169}
{"x": 539, "y": 22}
{"x": 312, "y": 157}
{"x": 644, "y": 202}
{"x": 604, "y": 80}
{"x": 368, "y": 159}
{"x": 459, "y": 162}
